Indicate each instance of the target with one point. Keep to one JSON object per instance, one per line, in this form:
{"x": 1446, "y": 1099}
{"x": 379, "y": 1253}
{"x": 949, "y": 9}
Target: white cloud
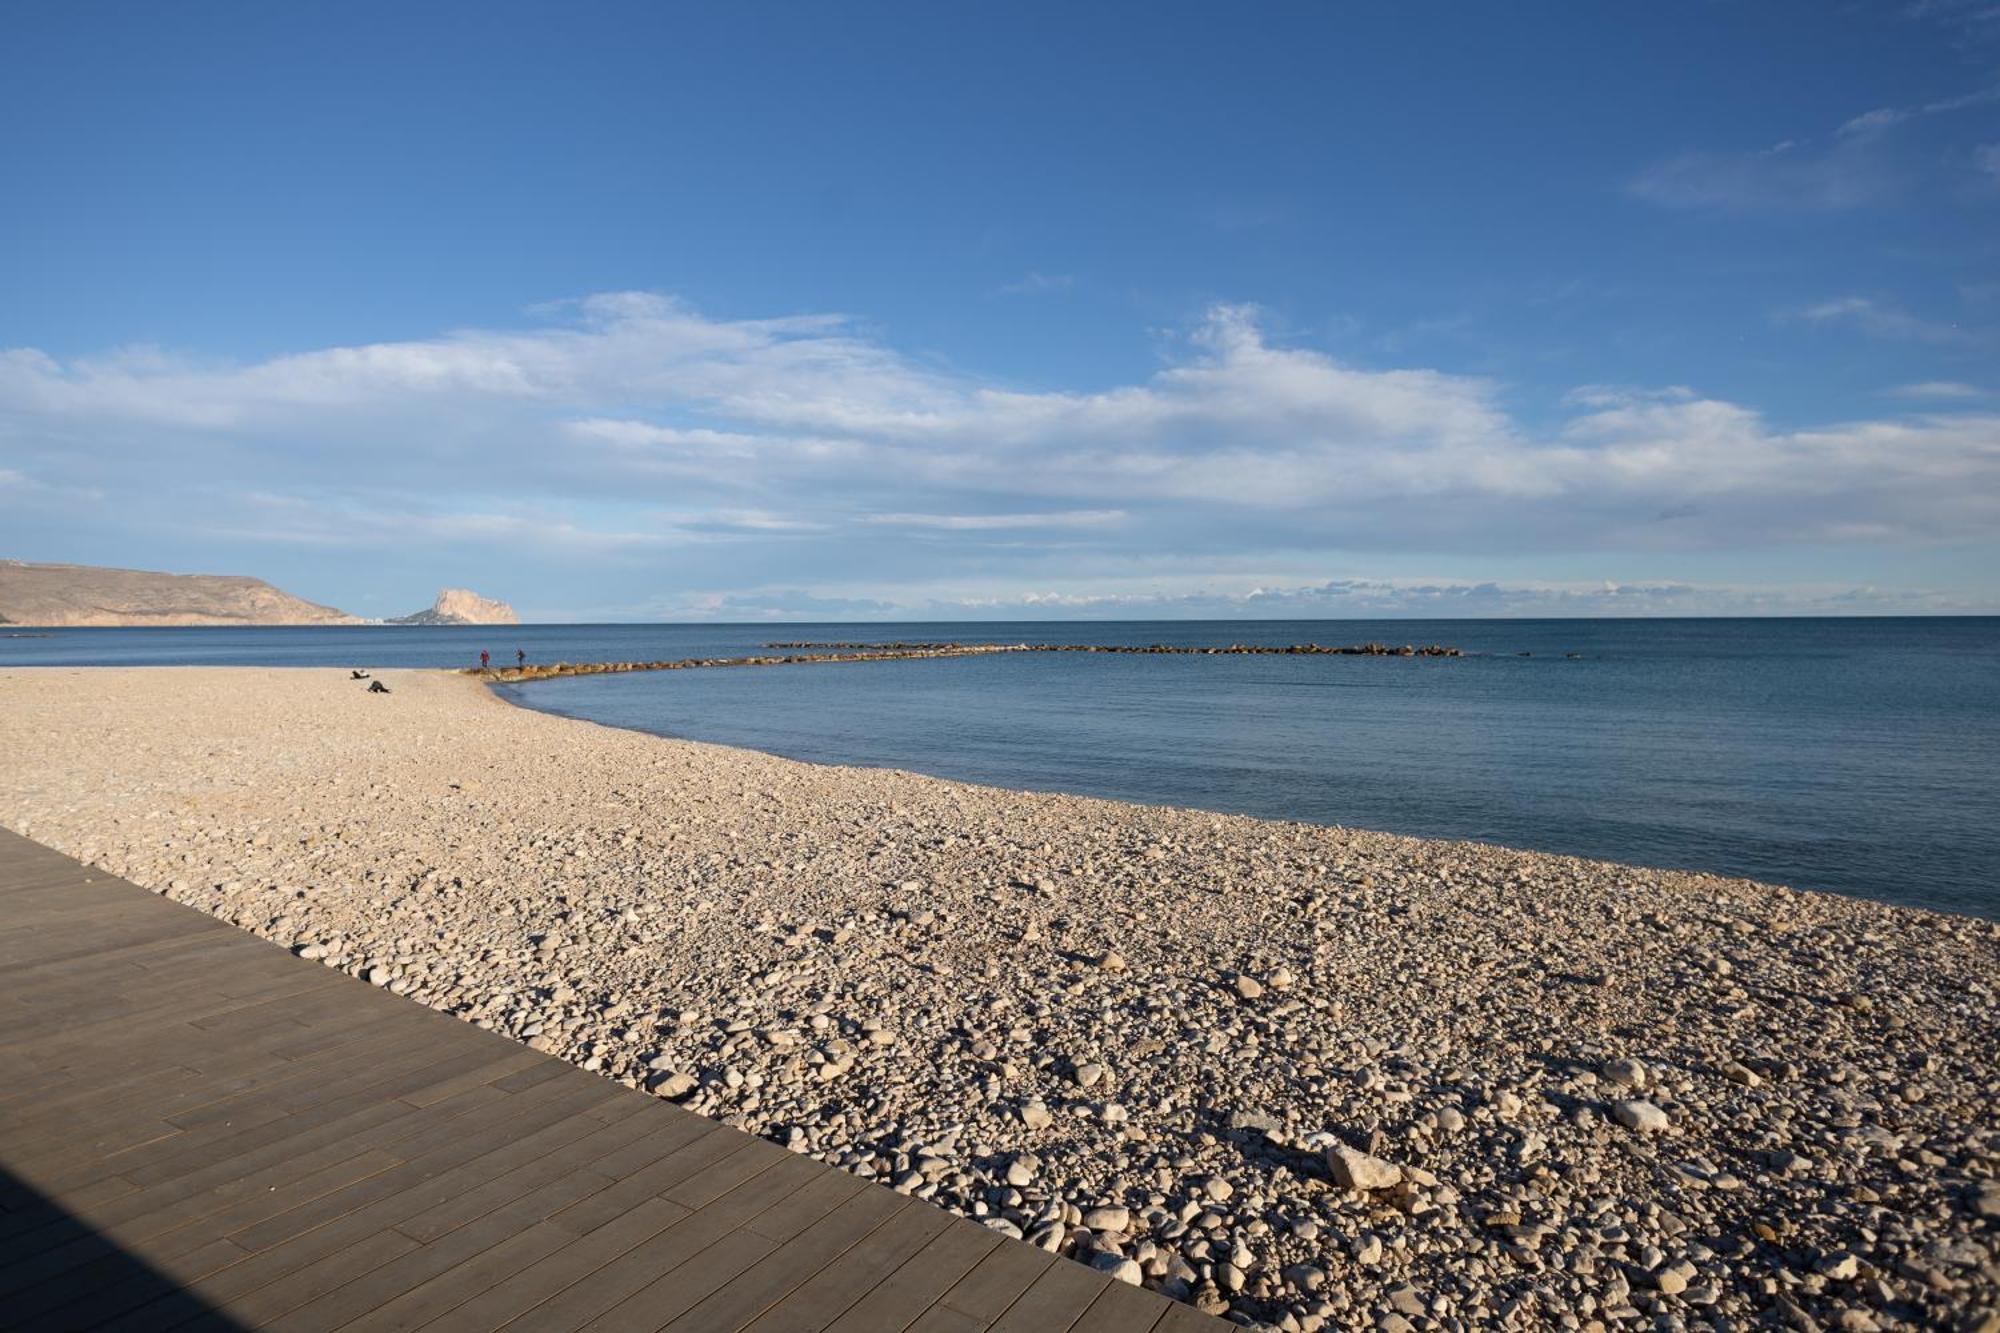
{"x": 627, "y": 427}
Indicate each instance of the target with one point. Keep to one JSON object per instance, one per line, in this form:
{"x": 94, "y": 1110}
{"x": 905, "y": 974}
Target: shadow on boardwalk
{"x": 59, "y": 1272}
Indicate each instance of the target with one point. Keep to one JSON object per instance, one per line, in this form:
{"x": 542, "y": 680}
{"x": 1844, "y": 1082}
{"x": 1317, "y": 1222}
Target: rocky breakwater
{"x": 1309, "y": 1077}
{"x": 1228, "y": 650}
{"x": 546, "y": 671}
{"x": 900, "y": 651}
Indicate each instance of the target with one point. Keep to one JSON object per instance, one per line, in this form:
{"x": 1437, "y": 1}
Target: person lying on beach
{"x": 357, "y": 675}
{"x": 377, "y": 687}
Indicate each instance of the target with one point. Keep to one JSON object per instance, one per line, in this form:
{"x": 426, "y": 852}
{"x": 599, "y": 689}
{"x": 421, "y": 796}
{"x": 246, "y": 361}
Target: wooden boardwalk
{"x": 198, "y": 1129}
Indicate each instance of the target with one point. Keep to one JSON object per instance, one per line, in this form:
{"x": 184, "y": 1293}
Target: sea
{"x": 1860, "y": 756}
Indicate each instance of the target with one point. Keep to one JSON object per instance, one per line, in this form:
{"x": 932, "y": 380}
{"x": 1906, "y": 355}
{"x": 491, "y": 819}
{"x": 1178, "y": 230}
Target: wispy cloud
{"x": 1939, "y": 391}
{"x": 1975, "y": 21}
{"x": 1789, "y": 177}
{"x": 1071, "y": 518}
{"x": 1853, "y": 167}
{"x": 1357, "y": 598}
{"x": 1037, "y": 284}
{"x": 1877, "y": 319}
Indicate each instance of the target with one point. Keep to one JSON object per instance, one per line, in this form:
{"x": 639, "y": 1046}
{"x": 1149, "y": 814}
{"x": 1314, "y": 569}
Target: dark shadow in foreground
{"x": 58, "y": 1272}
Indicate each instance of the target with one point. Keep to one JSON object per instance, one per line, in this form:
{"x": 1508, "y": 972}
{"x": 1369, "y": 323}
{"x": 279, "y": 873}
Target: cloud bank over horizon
{"x": 627, "y": 455}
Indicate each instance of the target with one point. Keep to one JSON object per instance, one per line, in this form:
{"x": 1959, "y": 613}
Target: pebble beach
{"x": 1299, "y": 1076}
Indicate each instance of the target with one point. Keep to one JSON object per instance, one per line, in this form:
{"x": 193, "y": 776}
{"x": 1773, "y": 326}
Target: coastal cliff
{"x": 87, "y": 595}
{"x": 461, "y": 606}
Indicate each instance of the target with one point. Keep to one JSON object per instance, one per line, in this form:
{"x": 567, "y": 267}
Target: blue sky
{"x": 949, "y": 310}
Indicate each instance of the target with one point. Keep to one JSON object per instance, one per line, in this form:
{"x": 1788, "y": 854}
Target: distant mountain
{"x": 458, "y": 606}
{"x": 78, "y": 595}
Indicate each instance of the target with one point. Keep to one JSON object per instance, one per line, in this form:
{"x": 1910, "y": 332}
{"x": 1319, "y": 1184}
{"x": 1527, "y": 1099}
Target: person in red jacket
{"x": 485, "y": 659}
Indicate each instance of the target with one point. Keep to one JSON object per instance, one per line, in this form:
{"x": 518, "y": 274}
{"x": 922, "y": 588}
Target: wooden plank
{"x": 204, "y": 1130}
{"x": 816, "y": 1246}
{"x": 419, "y": 1066}
{"x": 492, "y": 1304}
{"x": 713, "y": 1269}
{"x": 1185, "y": 1319}
{"x": 914, "y": 1288}
{"x": 83, "y": 1262}
{"x": 1121, "y": 1308}
{"x": 637, "y": 1268}
{"x": 944, "y": 1319}
{"x": 438, "y": 1163}
{"x": 367, "y": 1101}
{"x": 1056, "y": 1300}
{"x": 997, "y": 1281}
{"x": 824, "y": 1297}
{"x": 649, "y": 1181}
{"x": 576, "y": 1156}
{"x": 801, "y": 1210}
{"x": 425, "y": 1304}
{"x": 99, "y": 1302}
{"x": 339, "y": 1307}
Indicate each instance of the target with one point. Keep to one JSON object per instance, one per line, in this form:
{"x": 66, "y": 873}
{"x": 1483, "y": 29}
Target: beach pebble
{"x": 1626, "y": 1072}
{"x": 1642, "y": 1116}
{"x": 670, "y": 1084}
{"x": 856, "y": 964}
{"x": 1118, "y": 1266}
{"x": 1108, "y": 1218}
{"x": 1358, "y": 1171}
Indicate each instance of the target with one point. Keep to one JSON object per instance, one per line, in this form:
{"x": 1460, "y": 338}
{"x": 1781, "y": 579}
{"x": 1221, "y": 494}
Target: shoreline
{"x": 1051, "y": 1008}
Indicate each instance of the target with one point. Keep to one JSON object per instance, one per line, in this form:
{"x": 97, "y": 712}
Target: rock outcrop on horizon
{"x": 70, "y": 596}
{"x": 461, "y": 606}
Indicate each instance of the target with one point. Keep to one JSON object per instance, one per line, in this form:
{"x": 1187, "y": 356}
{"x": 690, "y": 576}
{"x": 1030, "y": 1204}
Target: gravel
{"x": 1307, "y": 1077}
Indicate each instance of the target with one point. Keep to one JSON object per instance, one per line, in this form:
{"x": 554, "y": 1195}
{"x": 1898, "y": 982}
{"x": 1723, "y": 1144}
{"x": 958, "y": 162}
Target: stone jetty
{"x": 799, "y": 653}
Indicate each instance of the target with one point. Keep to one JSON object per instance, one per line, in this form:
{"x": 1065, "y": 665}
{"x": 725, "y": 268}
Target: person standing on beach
{"x": 520, "y": 658}
{"x": 484, "y": 660}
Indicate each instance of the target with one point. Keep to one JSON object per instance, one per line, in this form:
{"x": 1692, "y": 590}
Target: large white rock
{"x": 1629, "y": 1072}
{"x": 1359, "y": 1171}
{"x": 1108, "y": 1218}
{"x": 670, "y": 1084}
{"x": 1642, "y": 1116}
{"x": 1118, "y": 1266}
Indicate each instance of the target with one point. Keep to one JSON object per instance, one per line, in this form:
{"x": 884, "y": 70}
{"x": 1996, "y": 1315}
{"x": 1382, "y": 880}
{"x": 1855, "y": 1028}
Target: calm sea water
{"x": 1861, "y": 756}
